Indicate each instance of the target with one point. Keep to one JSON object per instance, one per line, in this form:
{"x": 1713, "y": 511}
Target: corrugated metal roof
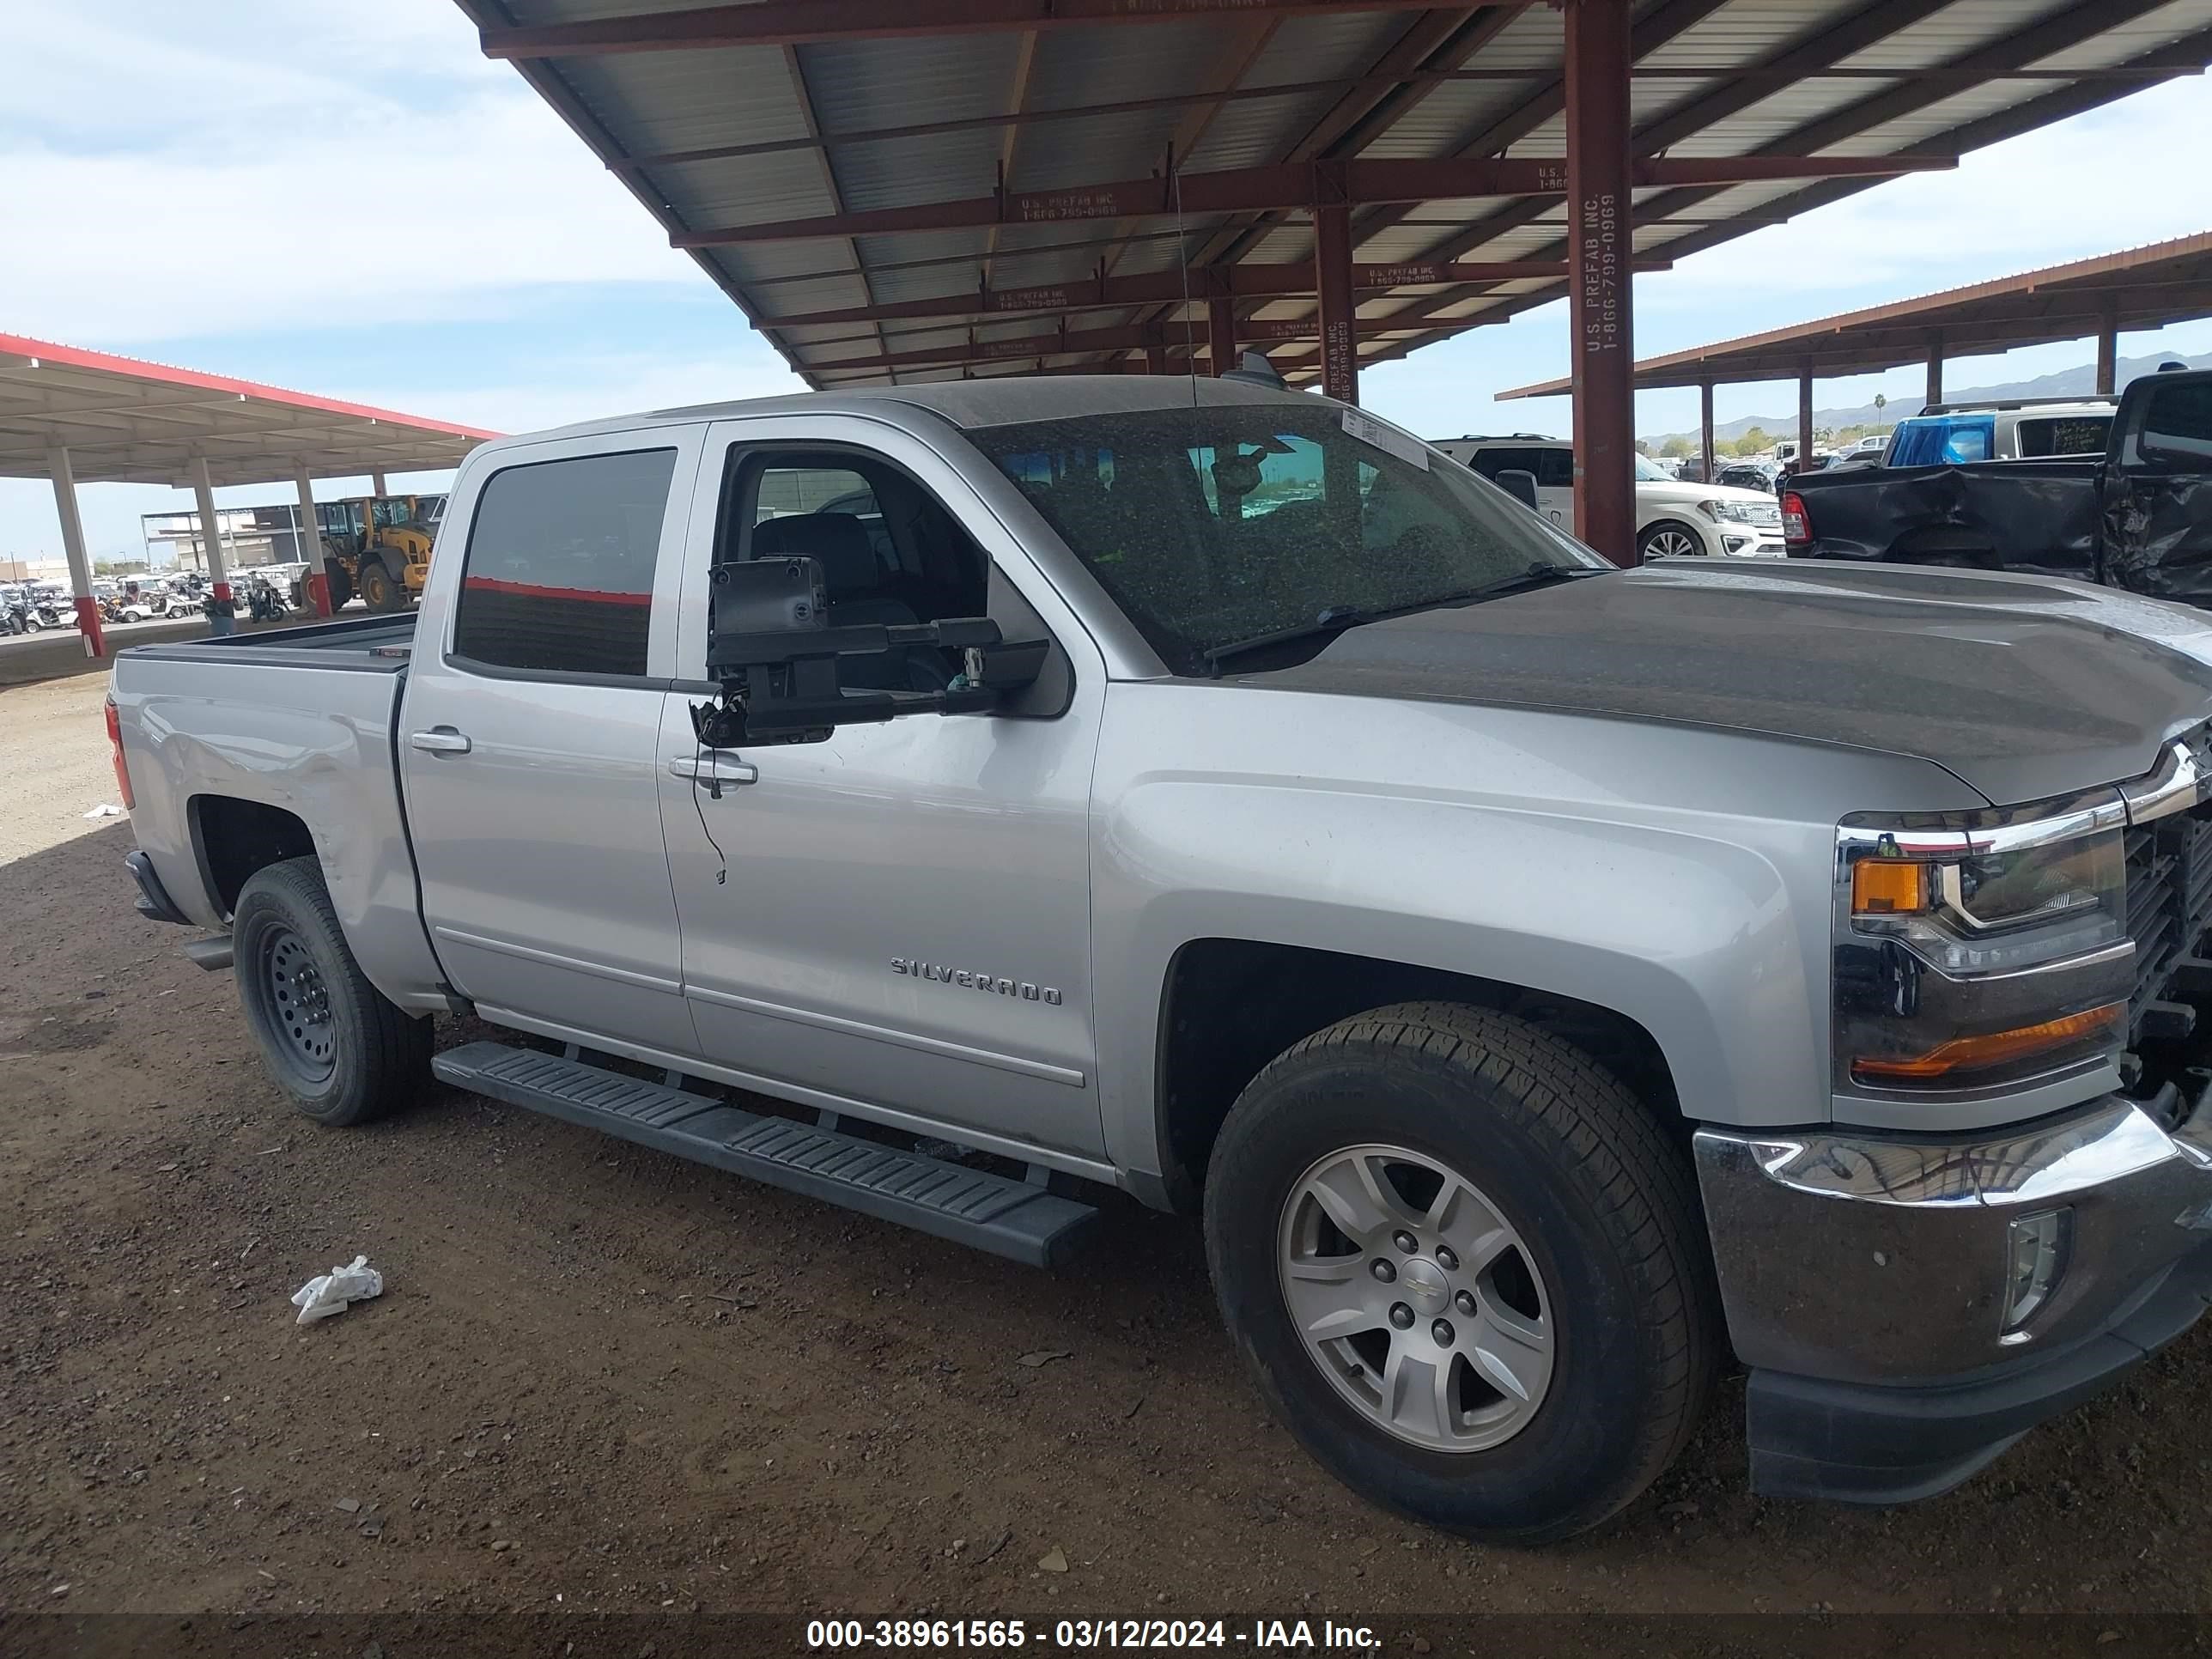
{"x": 718, "y": 136}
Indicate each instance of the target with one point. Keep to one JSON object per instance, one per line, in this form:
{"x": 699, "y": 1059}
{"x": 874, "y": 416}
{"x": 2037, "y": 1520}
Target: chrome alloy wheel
{"x": 1668, "y": 542}
{"x": 1416, "y": 1297}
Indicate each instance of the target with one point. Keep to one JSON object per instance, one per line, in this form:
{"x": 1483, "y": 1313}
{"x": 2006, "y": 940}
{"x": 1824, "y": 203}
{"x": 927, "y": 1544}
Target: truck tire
{"x": 380, "y": 590}
{"x": 1668, "y": 538}
{"x": 1541, "y": 1351}
{"x": 331, "y": 1041}
{"x": 340, "y": 581}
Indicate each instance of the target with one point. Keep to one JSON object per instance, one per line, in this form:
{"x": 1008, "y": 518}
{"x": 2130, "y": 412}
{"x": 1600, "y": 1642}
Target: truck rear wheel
{"x": 336, "y": 1045}
{"x": 1466, "y": 1269}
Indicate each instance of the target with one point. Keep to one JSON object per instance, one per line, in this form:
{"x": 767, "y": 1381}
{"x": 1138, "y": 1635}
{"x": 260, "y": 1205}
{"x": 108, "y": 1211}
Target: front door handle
{"x": 439, "y": 740}
{"x": 714, "y": 769}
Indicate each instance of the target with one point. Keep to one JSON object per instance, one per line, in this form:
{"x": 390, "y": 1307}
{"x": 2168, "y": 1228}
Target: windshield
{"x": 1217, "y": 525}
{"x": 1647, "y": 473}
{"x": 1941, "y": 440}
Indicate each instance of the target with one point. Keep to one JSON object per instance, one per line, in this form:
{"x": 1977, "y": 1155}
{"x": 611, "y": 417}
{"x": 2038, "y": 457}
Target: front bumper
{"x": 1868, "y": 1282}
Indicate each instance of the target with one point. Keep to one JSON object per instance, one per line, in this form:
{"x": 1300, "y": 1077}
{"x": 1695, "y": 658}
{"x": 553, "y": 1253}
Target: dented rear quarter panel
{"x": 313, "y": 737}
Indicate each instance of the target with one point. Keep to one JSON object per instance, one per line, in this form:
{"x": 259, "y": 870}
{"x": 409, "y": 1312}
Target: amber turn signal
{"x": 1888, "y": 887}
{"x": 1978, "y": 1054}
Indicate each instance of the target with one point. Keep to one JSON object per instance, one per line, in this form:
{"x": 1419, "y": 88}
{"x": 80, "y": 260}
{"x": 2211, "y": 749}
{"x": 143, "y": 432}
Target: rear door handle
{"x": 439, "y": 740}
{"x": 714, "y": 768}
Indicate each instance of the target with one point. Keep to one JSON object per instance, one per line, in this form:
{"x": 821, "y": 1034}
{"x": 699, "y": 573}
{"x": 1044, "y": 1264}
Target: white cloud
{"x": 156, "y": 187}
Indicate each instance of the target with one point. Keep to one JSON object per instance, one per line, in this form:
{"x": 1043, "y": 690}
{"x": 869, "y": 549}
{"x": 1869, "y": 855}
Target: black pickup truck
{"x": 2139, "y": 517}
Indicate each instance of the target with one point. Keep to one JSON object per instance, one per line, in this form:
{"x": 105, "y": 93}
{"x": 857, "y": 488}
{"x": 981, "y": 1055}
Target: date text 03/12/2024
{"x": 942, "y": 1635}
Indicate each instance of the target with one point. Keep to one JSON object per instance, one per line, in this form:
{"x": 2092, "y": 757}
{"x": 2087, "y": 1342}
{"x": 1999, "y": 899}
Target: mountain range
{"x": 2079, "y": 382}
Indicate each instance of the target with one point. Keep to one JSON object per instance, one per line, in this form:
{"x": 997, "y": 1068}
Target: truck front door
{"x": 529, "y": 738}
{"x": 896, "y": 921}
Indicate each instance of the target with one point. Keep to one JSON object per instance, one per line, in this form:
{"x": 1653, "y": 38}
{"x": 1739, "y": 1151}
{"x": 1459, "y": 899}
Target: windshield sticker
{"x": 1387, "y": 438}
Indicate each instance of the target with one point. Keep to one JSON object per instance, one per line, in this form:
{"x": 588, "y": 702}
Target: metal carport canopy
{"x": 86, "y": 416}
{"x": 904, "y": 189}
{"x": 2142, "y": 287}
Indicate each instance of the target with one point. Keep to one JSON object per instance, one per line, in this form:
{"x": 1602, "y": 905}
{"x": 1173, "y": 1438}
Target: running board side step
{"x": 1007, "y": 1218}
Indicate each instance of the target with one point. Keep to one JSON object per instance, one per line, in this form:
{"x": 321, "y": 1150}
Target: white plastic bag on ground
{"x": 332, "y": 1293}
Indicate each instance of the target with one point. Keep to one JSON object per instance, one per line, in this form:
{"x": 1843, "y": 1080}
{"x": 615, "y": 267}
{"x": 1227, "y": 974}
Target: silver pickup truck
{"x": 1545, "y": 981}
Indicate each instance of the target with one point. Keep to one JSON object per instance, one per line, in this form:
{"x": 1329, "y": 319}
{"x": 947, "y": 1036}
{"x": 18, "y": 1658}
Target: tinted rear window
{"x": 560, "y": 565}
{"x": 2063, "y": 434}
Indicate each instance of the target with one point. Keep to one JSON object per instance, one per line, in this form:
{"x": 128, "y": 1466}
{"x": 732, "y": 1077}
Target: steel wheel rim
{"x": 1472, "y": 1366}
{"x": 1670, "y": 544}
{"x": 299, "y": 1004}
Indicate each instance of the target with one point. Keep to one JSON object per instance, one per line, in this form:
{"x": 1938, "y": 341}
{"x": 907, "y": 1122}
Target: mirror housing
{"x": 1519, "y": 483}
{"x": 773, "y": 654}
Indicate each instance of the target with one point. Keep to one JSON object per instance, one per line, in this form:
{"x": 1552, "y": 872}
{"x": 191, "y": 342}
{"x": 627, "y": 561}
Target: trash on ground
{"x": 336, "y": 1290}
{"x": 1043, "y": 1357}
{"x": 105, "y": 810}
{"x": 1054, "y": 1560}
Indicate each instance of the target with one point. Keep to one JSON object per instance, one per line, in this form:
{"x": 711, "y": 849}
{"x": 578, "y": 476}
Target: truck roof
{"x": 1004, "y": 401}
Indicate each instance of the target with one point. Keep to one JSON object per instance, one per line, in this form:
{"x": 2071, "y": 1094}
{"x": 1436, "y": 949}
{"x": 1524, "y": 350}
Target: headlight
{"x": 1767, "y": 512}
{"x": 1983, "y": 951}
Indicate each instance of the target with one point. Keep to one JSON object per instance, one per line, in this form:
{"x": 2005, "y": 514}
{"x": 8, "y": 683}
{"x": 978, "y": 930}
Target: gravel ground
{"x": 602, "y": 1380}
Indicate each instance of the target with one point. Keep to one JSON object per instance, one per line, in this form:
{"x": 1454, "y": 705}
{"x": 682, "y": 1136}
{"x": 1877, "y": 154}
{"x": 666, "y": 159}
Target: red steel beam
{"x": 1599, "y": 211}
{"x": 1337, "y": 309}
{"x": 1188, "y": 337}
{"x": 1208, "y": 283}
{"x": 1221, "y": 334}
{"x": 804, "y": 22}
{"x": 1304, "y": 185}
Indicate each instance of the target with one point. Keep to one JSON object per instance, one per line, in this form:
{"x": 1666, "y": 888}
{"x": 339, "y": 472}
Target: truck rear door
{"x": 530, "y": 734}
{"x": 2157, "y": 499}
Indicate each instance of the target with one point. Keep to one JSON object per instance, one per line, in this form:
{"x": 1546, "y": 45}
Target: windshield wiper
{"x": 1539, "y": 574}
{"x": 1333, "y": 620}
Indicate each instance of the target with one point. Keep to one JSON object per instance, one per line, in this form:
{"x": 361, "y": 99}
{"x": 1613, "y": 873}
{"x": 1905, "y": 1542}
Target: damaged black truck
{"x": 2139, "y": 517}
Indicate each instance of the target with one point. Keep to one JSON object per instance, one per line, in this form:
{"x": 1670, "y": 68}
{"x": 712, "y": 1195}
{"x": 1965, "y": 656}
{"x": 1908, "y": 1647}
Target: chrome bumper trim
{"x": 1870, "y": 1258}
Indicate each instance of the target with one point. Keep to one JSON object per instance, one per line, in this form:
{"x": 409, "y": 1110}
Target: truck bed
{"x": 310, "y": 645}
{"x": 297, "y": 729}
{"x": 2037, "y": 516}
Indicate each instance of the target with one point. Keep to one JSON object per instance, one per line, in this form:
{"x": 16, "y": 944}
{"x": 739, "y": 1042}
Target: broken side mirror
{"x": 1519, "y": 483}
{"x": 773, "y": 656}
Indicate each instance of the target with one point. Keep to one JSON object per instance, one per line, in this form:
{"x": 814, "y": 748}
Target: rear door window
{"x": 2177, "y": 422}
{"x": 558, "y": 575}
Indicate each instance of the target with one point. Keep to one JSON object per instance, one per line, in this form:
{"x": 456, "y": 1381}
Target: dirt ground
{"x": 603, "y": 1380}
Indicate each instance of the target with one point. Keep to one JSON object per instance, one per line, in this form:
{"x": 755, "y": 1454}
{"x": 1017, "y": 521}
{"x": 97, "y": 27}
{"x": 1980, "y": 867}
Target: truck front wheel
{"x": 343, "y": 1052}
{"x": 1466, "y": 1269}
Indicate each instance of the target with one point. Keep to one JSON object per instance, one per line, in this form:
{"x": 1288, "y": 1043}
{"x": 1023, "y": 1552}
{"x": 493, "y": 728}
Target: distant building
{"x": 251, "y": 536}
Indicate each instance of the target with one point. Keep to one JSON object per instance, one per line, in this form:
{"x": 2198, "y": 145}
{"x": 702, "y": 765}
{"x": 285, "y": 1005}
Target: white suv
{"x": 1672, "y": 519}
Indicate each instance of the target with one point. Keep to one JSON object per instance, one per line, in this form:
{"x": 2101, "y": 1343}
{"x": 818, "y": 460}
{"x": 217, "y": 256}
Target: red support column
{"x": 2108, "y": 348}
{"x": 1804, "y": 420}
{"x": 1340, "y": 333}
{"x": 1221, "y": 332}
{"x": 1598, "y": 248}
{"x": 1936, "y": 368}
{"x": 1156, "y": 360}
{"x": 1706, "y": 428}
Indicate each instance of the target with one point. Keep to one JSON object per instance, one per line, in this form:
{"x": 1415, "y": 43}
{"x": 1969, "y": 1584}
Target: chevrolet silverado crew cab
{"x": 1547, "y": 981}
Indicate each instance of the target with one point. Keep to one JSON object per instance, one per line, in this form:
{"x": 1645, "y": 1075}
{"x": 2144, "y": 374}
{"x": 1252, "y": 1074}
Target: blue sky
{"x": 292, "y": 191}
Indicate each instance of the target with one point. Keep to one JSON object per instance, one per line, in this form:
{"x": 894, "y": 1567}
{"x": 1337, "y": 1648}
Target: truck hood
{"x": 2022, "y": 687}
